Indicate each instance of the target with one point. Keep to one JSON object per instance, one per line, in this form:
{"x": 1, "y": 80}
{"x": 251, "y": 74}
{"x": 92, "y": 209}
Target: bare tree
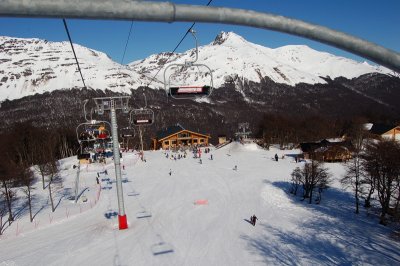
{"x": 7, "y": 174}
{"x": 313, "y": 175}
{"x": 23, "y": 149}
{"x": 45, "y": 159}
{"x": 296, "y": 180}
{"x": 52, "y": 171}
{"x": 368, "y": 180}
{"x": 41, "y": 156}
{"x": 354, "y": 169}
{"x": 27, "y": 178}
{"x": 3, "y": 211}
{"x": 51, "y": 168}
{"x": 383, "y": 165}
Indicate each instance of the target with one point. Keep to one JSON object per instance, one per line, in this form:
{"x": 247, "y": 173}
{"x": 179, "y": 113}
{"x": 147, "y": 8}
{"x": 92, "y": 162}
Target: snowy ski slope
{"x": 214, "y": 232}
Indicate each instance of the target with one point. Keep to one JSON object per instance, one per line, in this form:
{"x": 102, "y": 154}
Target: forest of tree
{"x": 289, "y": 130}
{"x": 25, "y": 149}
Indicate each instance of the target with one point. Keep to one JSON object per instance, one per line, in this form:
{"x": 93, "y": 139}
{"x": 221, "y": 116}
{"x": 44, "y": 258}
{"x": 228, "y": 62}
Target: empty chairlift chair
{"x": 176, "y": 78}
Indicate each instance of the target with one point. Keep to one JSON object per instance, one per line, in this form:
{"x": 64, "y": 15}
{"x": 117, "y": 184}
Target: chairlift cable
{"x": 176, "y": 47}
{"x": 73, "y": 50}
{"x": 126, "y": 44}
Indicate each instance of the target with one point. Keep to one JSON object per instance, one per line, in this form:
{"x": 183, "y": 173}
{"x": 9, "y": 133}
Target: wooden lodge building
{"x": 327, "y": 150}
{"x": 389, "y": 132}
{"x": 176, "y": 136}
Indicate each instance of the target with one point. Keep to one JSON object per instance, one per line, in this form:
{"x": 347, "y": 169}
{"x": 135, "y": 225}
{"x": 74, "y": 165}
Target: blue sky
{"x": 372, "y": 20}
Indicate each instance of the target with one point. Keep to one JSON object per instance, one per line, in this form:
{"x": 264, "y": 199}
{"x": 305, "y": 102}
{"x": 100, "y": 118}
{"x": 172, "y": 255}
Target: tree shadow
{"x": 19, "y": 208}
{"x": 329, "y": 234}
{"x": 65, "y": 193}
{"x": 38, "y": 211}
{"x": 335, "y": 202}
{"x": 35, "y": 201}
{"x": 22, "y": 208}
{"x": 80, "y": 194}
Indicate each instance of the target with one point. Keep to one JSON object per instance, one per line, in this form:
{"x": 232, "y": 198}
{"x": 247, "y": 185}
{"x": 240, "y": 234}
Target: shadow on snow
{"x": 332, "y": 234}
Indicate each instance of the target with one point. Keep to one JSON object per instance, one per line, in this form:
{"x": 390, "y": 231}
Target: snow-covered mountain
{"x": 231, "y": 55}
{"x": 29, "y": 66}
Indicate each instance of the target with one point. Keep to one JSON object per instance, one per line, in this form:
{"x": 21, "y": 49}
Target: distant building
{"x": 221, "y": 139}
{"x": 176, "y": 136}
{"x": 332, "y": 150}
{"x": 386, "y": 131}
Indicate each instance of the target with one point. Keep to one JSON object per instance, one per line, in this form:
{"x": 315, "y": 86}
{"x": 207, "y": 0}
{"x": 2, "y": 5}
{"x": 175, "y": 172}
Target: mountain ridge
{"x": 30, "y": 66}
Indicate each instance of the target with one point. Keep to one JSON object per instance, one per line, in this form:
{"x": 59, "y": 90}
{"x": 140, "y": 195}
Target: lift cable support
{"x": 112, "y": 104}
{"x": 243, "y": 133}
{"x": 78, "y": 170}
{"x": 175, "y": 76}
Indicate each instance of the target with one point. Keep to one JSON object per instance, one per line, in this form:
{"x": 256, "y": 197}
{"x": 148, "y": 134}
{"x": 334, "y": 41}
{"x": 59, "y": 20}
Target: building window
{"x": 183, "y": 135}
{"x": 201, "y": 140}
{"x": 173, "y": 142}
{"x": 194, "y": 140}
{"x": 166, "y": 142}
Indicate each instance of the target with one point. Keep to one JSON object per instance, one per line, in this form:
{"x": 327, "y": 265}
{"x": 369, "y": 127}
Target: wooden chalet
{"x": 391, "y": 132}
{"x": 176, "y": 137}
{"x": 221, "y": 139}
{"x": 327, "y": 151}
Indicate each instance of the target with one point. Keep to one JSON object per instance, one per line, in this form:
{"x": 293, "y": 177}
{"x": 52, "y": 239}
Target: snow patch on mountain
{"x": 29, "y": 66}
{"x": 230, "y": 54}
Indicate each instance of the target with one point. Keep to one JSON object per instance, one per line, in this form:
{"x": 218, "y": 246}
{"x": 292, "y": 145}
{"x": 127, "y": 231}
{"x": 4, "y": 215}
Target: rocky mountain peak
{"x": 227, "y": 37}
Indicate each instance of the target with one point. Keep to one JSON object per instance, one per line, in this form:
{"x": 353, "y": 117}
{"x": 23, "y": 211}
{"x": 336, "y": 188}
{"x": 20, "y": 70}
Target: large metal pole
{"x": 122, "y": 220}
{"x": 141, "y": 138}
{"x": 169, "y": 12}
{"x": 77, "y": 182}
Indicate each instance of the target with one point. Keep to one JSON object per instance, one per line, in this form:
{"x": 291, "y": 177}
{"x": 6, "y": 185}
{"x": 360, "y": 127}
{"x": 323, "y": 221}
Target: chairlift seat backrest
{"x": 142, "y": 117}
{"x": 190, "y": 90}
{"x": 142, "y": 122}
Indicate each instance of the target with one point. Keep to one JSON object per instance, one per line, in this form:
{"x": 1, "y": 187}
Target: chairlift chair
{"x": 89, "y": 134}
{"x": 141, "y": 117}
{"x": 174, "y": 72}
{"x": 127, "y": 133}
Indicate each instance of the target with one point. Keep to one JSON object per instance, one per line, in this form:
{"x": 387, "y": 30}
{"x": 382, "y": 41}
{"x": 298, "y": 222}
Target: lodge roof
{"x": 312, "y": 146}
{"x": 379, "y": 129}
{"x": 169, "y": 131}
{"x": 172, "y": 130}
